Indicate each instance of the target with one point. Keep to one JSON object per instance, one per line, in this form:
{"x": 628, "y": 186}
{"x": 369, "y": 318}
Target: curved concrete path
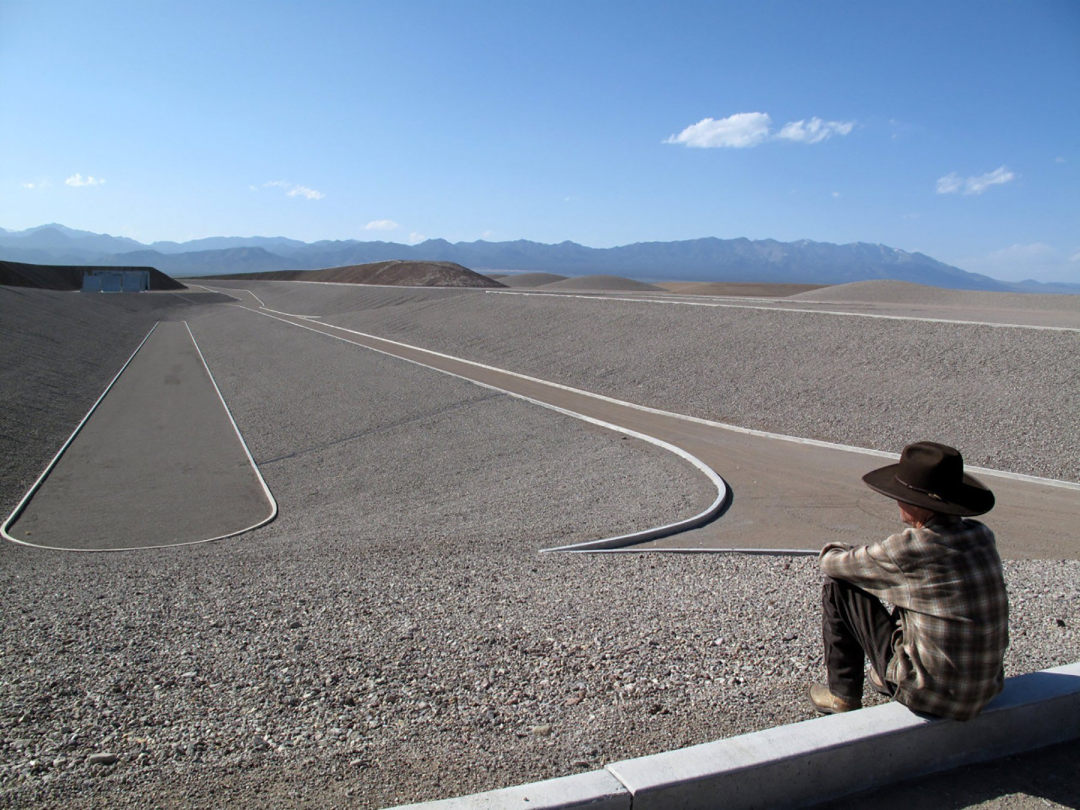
{"x": 786, "y": 494}
{"x": 157, "y": 462}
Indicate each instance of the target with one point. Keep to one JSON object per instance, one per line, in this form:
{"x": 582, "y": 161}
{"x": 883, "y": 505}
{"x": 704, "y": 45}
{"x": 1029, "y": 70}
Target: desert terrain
{"x": 395, "y": 635}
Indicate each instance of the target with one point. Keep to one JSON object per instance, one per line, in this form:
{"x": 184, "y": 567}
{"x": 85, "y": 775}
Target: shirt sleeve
{"x": 869, "y": 567}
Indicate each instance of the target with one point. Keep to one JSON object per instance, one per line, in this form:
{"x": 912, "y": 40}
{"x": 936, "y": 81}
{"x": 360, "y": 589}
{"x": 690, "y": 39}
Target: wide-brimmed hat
{"x": 932, "y": 476}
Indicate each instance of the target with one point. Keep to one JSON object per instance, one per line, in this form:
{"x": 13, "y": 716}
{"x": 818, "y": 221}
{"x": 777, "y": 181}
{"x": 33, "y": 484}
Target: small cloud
{"x": 40, "y": 184}
{"x": 292, "y": 189}
{"x": 949, "y": 184}
{"x": 77, "y": 181}
{"x": 736, "y": 131}
{"x": 977, "y": 185}
{"x": 814, "y": 131}
{"x": 953, "y": 183}
{"x": 744, "y": 130}
{"x": 306, "y": 193}
{"x": 416, "y": 238}
{"x": 1060, "y": 160}
{"x": 836, "y": 194}
{"x": 382, "y": 225}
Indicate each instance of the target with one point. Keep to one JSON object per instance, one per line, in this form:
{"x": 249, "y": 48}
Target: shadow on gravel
{"x": 1046, "y": 777}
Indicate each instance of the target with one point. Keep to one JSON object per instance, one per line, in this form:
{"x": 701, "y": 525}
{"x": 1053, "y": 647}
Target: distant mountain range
{"x": 708, "y": 259}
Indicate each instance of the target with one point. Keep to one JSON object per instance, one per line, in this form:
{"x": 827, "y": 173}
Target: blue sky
{"x": 951, "y": 128}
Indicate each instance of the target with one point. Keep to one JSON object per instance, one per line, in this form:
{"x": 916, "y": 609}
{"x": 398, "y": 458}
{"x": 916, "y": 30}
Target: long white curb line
{"x": 48, "y": 469}
{"x": 722, "y": 491}
{"x": 813, "y": 761}
{"x": 624, "y": 543}
{"x": 783, "y": 437}
{"x": 37, "y": 484}
{"x": 836, "y": 312}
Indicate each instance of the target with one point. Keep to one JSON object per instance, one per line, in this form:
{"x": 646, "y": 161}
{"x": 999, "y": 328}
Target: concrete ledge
{"x": 816, "y": 760}
{"x": 598, "y": 790}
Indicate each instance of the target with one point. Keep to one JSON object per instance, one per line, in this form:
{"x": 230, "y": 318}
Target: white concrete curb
{"x": 247, "y": 452}
{"x": 49, "y": 467}
{"x": 816, "y": 760}
{"x": 608, "y": 543}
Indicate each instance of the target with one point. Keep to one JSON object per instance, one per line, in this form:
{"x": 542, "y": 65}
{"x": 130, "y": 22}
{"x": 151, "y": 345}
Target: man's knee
{"x": 830, "y": 588}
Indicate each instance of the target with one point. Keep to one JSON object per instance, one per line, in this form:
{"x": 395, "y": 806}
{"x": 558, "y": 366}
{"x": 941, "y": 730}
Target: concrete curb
{"x": 815, "y": 760}
{"x": 716, "y": 508}
{"x": 14, "y": 516}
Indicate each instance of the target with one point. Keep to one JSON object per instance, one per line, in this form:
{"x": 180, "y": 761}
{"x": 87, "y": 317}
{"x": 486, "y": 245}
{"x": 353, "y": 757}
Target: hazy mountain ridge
{"x": 705, "y": 259}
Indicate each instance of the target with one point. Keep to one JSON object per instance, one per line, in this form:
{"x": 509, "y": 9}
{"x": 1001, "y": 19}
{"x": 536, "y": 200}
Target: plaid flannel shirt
{"x": 947, "y": 582}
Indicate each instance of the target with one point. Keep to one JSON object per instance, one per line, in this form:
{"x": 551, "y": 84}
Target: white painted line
{"x": 840, "y": 313}
{"x": 622, "y": 540}
{"x": 41, "y": 478}
{"x": 1031, "y": 479}
{"x": 247, "y": 452}
{"x": 772, "y": 552}
{"x": 220, "y": 292}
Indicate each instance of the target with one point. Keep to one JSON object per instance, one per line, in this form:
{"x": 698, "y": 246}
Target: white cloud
{"x": 1060, "y": 160}
{"x": 999, "y": 176}
{"x": 814, "y": 131}
{"x": 1037, "y": 260}
{"x": 293, "y": 190}
{"x": 77, "y": 180}
{"x": 953, "y": 183}
{"x": 949, "y": 184}
{"x": 736, "y": 131}
{"x": 744, "y": 130}
{"x": 382, "y": 225}
{"x": 306, "y": 193}
{"x": 40, "y": 184}
{"x": 416, "y": 238}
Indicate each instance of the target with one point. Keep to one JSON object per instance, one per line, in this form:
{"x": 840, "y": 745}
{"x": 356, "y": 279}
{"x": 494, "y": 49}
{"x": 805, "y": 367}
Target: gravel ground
{"x": 394, "y": 636}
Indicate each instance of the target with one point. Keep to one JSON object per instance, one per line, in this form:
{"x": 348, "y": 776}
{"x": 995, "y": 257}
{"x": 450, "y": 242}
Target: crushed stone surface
{"x": 395, "y": 635}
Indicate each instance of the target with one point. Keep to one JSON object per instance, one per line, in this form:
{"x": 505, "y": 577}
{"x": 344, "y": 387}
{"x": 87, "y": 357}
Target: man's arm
{"x": 869, "y": 567}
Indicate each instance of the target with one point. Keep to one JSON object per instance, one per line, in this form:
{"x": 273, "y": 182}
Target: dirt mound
{"x": 392, "y": 273}
{"x": 602, "y": 282}
{"x": 69, "y": 276}
{"x": 747, "y": 288}
{"x": 531, "y": 279}
{"x": 904, "y": 292}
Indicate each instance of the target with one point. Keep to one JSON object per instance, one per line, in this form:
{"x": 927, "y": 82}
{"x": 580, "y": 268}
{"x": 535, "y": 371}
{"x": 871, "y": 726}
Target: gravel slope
{"x": 394, "y": 636}
{"x": 1008, "y": 398}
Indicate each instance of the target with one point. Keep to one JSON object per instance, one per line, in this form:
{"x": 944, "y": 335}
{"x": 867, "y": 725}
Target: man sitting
{"x": 941, "y": 649}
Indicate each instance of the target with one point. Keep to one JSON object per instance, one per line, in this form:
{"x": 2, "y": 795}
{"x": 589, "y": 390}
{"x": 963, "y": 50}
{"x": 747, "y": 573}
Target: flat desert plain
{"x": 395, "y": 634}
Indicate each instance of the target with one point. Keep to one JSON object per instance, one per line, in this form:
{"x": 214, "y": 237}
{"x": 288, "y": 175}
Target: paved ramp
{"x": 786, "y": 494}
{"x": 158, "y": 462}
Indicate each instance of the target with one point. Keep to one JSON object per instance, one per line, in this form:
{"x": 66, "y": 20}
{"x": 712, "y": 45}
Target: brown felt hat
{"x": 932, "y": 476}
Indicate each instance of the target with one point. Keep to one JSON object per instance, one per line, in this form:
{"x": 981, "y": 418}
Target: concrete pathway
{"x": 786, "y": 493}
{"x": 158, "y": 462}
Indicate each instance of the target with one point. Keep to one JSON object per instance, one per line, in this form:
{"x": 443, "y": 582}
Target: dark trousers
{"x": 854, "y": 625}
